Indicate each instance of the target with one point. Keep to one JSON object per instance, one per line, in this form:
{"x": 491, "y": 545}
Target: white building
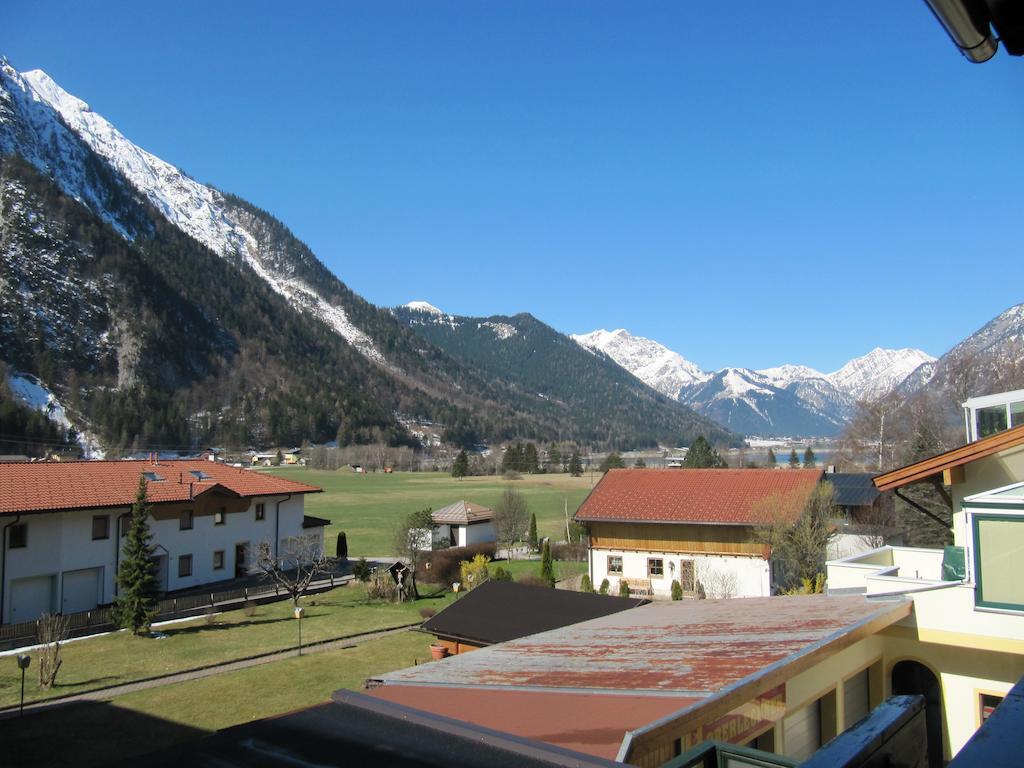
{"x": 651, "y": 527}
{"x": 463, "y": 524}
{"x": 62, "y": 525}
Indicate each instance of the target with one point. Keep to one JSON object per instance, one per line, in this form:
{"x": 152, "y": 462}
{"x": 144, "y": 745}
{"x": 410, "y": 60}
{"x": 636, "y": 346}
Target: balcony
{"x": 888, "y": 570}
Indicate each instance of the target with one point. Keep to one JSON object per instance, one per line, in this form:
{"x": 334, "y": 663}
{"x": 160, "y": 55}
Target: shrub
{"x": 210, "y": 615}
{"x": 500, "y": 574}
{"x": 427, "y": 613}
{"x": 585, "y": 584}
{"x": 623, "y": 588}
{"x": 249, "y": 608}
{"x": 677, "y": 590}
{"x": 443, "y": 566}
{"x": 361, "y": 570}
{"x": 473, "y": 573}
{"x": 605, "y": 586}
{"x": 576, "y": 553}
{"x": 382, "y": 587}
{"x": 511, "y": 474}
{"x": 547, "y": 565}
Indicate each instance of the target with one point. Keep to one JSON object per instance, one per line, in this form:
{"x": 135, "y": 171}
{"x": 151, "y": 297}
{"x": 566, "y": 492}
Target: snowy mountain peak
{"x": 423, "y": 306}
{"x": 656, "y": 365}
{"x": 784, "y": 375}
{"x": 48, "y": 90}
{"x": 878, "y": 372}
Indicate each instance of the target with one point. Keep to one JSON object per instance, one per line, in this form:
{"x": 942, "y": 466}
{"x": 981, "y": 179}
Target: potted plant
{"x": 439, "y": 651}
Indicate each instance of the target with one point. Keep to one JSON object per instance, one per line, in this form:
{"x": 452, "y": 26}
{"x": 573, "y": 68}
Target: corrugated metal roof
{"x": 462, "y": 513}
{"x": 713, "y": 496}
{"x": 692, "y": 650}
{"x": 49, "y": 486}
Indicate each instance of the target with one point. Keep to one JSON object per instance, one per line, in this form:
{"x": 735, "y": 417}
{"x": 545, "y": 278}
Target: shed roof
{"x": 498, "y": 611}
{"x": 965, "y": 454}
{"x": 462, "y": 513}
{"x": 52, "y": 486}
{"x": 680, "y": 656}
{"x": 707, "y": 496}
{"x": 853, "y": 489}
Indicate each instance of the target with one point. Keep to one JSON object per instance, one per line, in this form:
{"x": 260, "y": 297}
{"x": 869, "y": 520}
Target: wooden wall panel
{"x": 645, "y": 537}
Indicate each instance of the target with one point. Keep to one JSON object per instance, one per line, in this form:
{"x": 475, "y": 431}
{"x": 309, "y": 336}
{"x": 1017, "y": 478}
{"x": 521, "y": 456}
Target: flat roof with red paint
{"x": 697, "y": 496}
{"x": 633, "y": 667}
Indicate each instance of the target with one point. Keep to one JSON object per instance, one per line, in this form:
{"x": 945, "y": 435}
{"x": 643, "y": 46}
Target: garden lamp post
{"x": 23, "y": 661}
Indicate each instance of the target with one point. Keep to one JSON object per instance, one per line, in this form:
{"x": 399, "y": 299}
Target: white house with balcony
{"x": 62, "y": 526}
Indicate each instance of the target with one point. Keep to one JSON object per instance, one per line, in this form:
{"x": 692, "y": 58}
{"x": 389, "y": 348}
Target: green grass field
{"x": 97, "y": 733}
{"x": 121, "y": 658}
{"x": 367, "y": 506}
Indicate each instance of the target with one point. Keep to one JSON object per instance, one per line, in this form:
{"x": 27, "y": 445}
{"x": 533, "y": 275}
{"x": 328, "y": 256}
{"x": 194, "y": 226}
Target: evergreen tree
{"x": 512, "y": 461}
{"x": 703, "y": 456}
{"x": 794, "y": 460}
{"x": 554, "y": 462}
{"x": 136, "y": 602}
{"x": 585, "y": 584}
{"x": 547, "y": 565}
{"x": 460, "y": 467}
{"x": 575, "y": 465}
{"x": 532, "y": 535}
{"x": 639, "y": 464}
{"x": 772, "y": 461}
{"x": 530, "y": 459}
{"x": 809, "y": 460}
{"x": 612, "y": 461}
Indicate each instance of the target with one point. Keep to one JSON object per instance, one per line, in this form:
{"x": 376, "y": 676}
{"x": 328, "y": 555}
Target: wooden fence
{"x": 100, "y": 619}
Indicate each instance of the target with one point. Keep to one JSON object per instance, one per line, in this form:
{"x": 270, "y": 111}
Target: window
{"x": 998, "y": 552}
{"x": 17, "y": 536}
{"x": 124, "y": 523}
{"x": 198, "y": 474}
{"x": 615, "y": 564}
{"x": 988, "y": 703}
{"x": 261, "y": 511}
{"x": 991, "y": 420}
{"x": 153, "y": 477}
{"x": 218, "y": 560}
{"x": 220, "y": 516}
{"x": 100, "y": 527}
{"x": 185, "y": 520}
{"x": 655, "y": 567}
{"x": 184, "y": 566}
{"x": 687, "y": 577}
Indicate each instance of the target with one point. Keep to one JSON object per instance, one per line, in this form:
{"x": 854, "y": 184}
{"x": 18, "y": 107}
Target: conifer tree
{"x": 809, "y": 460}
{"x": 136, "y": 601}
{"x": 532, "y": 535}
{"x": 612, "y": 461}
{"x": 554, "y": 462}
{"x": 639, "y": 464}
{"x": 585, "y": 584}
{"x": 794, "y": 460}
{"x": 772, "y": 461}
{"x": 530, "y": 460}
{"x": 547, "y": 565}
{"x": 575, "y": 465}
{"x": 460, "y": 467}
{"x": 703, "y": 456}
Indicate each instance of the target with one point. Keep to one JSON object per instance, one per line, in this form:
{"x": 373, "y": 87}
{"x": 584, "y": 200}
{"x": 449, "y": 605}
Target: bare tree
{"x": 412, "y": 541}
{"x": 300, "y": 560}
{"x": 717, "y": 583}
{"x": 51, "y": 631}
{"x": 511, "y": 518}
{"x": 798, "y": 537}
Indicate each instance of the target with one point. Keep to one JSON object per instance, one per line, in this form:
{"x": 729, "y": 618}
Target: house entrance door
{"x": 241, "y": 560}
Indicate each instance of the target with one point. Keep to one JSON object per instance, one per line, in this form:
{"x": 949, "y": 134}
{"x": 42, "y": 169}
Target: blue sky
{"x": 791, "y": 182}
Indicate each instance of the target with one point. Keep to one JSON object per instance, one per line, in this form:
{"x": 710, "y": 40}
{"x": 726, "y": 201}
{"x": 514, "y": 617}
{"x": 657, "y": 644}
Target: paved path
{"x": 348, "y": 641}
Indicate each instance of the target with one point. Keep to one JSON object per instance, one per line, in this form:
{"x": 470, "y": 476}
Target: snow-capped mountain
{"x": 785, "y": 400}
{"x": 654, "y": 364}
{"x": 200, "y": 211}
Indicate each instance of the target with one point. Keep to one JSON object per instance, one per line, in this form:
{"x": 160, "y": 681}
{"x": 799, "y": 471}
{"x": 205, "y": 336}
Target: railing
{"x": 100, "y": 619}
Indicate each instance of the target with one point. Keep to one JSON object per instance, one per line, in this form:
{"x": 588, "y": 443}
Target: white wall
{"x": 62, "y": 541}
{"x": 743, "y": 576}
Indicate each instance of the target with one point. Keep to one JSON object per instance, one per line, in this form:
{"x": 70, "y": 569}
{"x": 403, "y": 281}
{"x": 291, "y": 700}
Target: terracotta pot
{"x": 438, "y": 651}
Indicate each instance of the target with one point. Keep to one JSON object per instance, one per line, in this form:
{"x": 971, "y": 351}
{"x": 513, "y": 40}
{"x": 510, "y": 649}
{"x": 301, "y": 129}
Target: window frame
{"x": 21, "y": 528}
{"x": 979, "y": 587}
{"x": 186, "y": 514}
{"x": 261, "y": 511}
{"x": 650, "y": 572}
{"x": 220, "y": 517}
{"x": 220, "y": 553}
{"x": 106, "y": 527}
{"x": 184, "y": 560}
{"x": 611, "y": 570}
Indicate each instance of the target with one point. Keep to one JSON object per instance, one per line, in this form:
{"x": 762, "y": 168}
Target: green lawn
{"x": 367, "y": 506}
{"x": 521, "y": 568}
{"x": 96, "y": 733}
{"x": 120, "y": 657}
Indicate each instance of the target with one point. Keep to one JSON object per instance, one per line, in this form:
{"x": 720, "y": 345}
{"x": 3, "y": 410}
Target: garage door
{"x": 855, "y": 698}
{"x": 81, "y": 590}
{"x": 802, "y": 732}
{"x": 31, "y": 597}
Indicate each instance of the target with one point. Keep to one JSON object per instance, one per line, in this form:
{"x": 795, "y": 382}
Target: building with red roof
{"x": 650, "y": 527}
{"x": 62, "y": 525}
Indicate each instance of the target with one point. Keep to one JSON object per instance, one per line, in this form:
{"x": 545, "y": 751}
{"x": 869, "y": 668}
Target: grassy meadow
{"x": 367, "y": 506}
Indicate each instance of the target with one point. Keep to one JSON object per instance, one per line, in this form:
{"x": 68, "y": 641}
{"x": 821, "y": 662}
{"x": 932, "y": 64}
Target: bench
{"x": 641, "y": 587}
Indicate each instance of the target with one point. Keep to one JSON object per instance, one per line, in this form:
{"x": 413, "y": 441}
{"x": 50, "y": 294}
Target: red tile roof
{"x": 708, "y": 496}
{"x": 47, "y": 486}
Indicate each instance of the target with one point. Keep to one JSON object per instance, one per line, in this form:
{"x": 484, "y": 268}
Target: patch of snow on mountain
{"x": 423, "y": 306}
{"x": 878, "y": 372}
{"x": 501, "y": 330}
{"x": 737, "y": 383}
{"x": 194, "y": 208}
{"x": 657, "y": 366}
{"x": 784, "y": 375}
{"x": 30, "y": 391}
